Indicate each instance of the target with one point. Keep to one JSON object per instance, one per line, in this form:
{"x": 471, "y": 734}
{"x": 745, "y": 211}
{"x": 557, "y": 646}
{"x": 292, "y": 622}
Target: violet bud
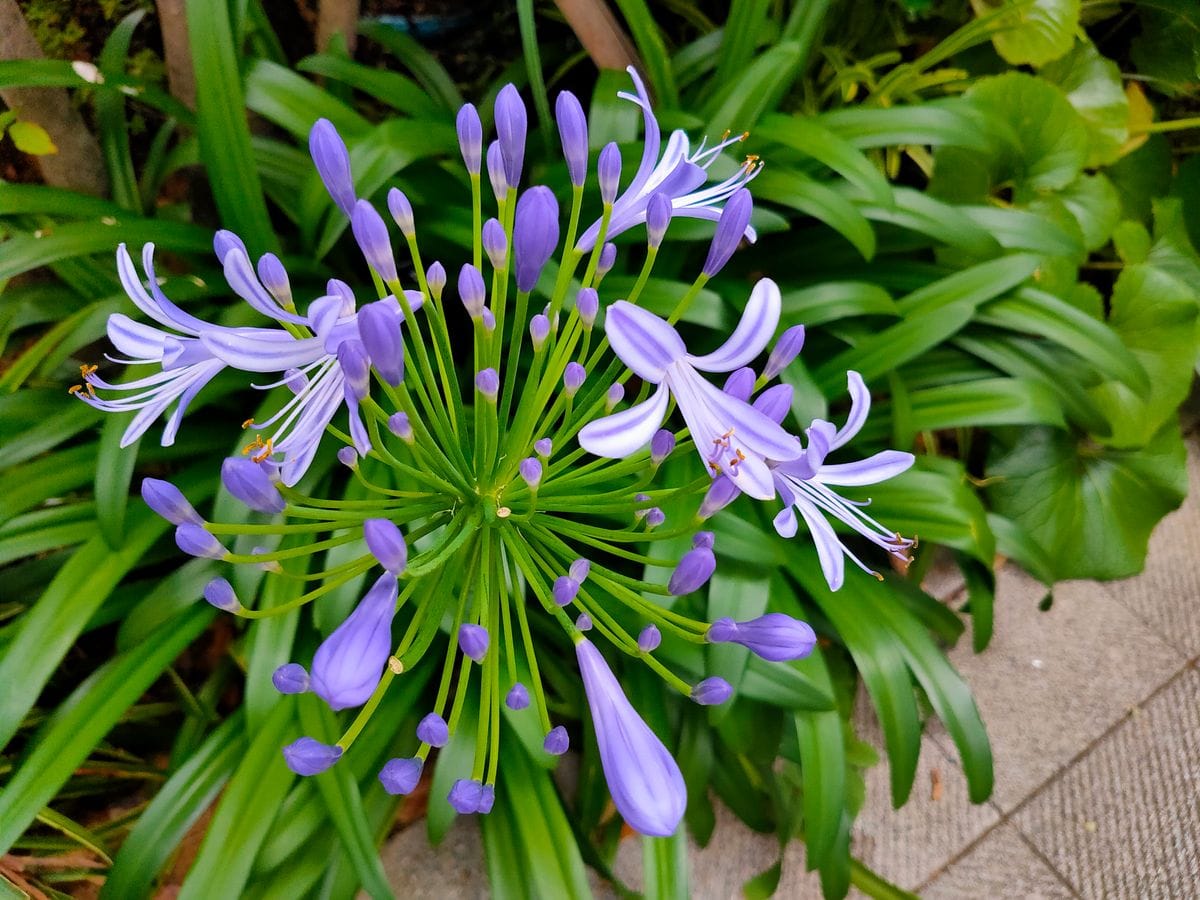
{"x": 335, "y": 287}
{"x": 225, "y": 242}
{"x": 640, "y": 499}
{"x": 564, "y": 590}
{"x": 473, "y": 641}
{"x": 487, "y": 799}
{"x": 539, "y": 330}
{"x": 572, "y": 129}
{"x": 579, "y": 570}
{"x": 495, "y": 167}
{"x": 488, "y": 319}
{"x": 290, "y": 678}
{"x": 583, "y": 622}
{"x": 332, "y": 159}
{"x": 786, "y": 349}
{"x": 740, "y": 384}
{"x": 402, "y": 212}
{"x": 487, "y": 383}
{"x": 645, "y": 782}
{"x": 511, "y": 124}
{"x": 693, "y": 571}
{"x": 658, "y": 216}
{"x": 616, "y": 393}
{"x": 379, "y": 331}
{"x": 250, "y": 483}
{"x": 435, "y": 278}
{"x": 348, "y": 457}
{"x": 517, "y": 697}
{"x": 720, "y": 494}
{"x": 661, "y": 446}
{"x": 774, "y": 637}
{"x": 495, "y": 243}
{"x": 386, "y": 544}
{"x": 535, "y": 234}
{"x": 703, "y": 539}
{"x": 470, "y": 137}
{"x": 356, "y": 368}
{"x": 557, "y": 741}
{"x": 308, "y": 756}
{"x": 347, "y": 666}
{"x": 573, "y": 378}
{"x": 543, "y": 447}
{"x": 608, "y": 256}
{"x": 531, "y": 470}
{"x": 400, "y": 776}
{"x": 649, "y": 639}
{"x": 373, "y": 239}
{"x": 465, "y": 795}
{"x": 168, "y": 501}
{"x": 399, "y": 425}
{"x": 433, "y": 730}
{"x": 712, "y": 691}
{"x": 471, "y": 290}
{"x": 655, "y": 517}
{"x": 731, "y": 228}
{"x": 587, "y": 302}
{"x": 275, "y": 279}
{"x": 608, "y": 171}
{"x": 219, "y": 593}
{"x": 195, "y": 541}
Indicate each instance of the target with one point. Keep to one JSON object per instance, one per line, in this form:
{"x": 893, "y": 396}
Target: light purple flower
{"x": 387, "y": 544}
{"x": 712, "y": 691}
{"x": 535, "y": 234}
{"x": 473, "y": 641}
{"x": 587, "y": 302}
{"x": 373, "y": 239}
{"x": 226, "y": 242}
{"x": 655, "y": 517}
{"x": 399, "y": 425}
{"x": 517, "y": 697}
{"x": 557, "y": 741}
{"x": 658, "y": 218}
{"x": 400, "y": 776}
{"x": 470, "y": 137}
{"x": 435, "y": 278}
{"x": 775, "y": 637}
{"x": 579, "y": 570}
{"x": 250, "y": 483}
{"x": 531, "y": 471}
{"x": 471, "y": 290}
{"x": 487, "y": 383}
{"x": 649, "y": 639}
{"x": 220, "y": 594}
{"x": 495, "y": 243}
{"x": 615, "y": 394}
{"x": 731, "y": 227}
{"x": 402, "y": 212}
{"x": 693, "y": 571}
{"x": 786, "y": 349}
{"x": 308, "y": 756}
{"x": 564, "y": 590}
{"x": 680, "y": 175}
{"x": 573, "y": 131}
{"x": 511, "y": 125}
{"x": 543, "y": 447}
{"x": 168, "y": 501}
{"x": 495, "y": 167}
{"x": 347, "y": 666}
{"x": 608, "y": 172}
{"x": 573, "y": 378}
{"x": 348, "y": 457}
{"x": 661, "y": 445}
{"x": 608, "y": 256}
{"x": 465, "y": 796}
{"x": 731, "y": 436}
{"x": 274, "y": 278}
{"x": 195, "y": 541}
{"x": 433, "y": 730}
{"x": 332, "y": 160}
{"x": 583, "y": 622}
{"x": 539, "y": 330}
{"x": 740, "y": 384}
{"x": 290, "y": 678}
{"x": 487, "y": 799}
{"x": 645, "y": 782}
{"x": 379, "y": 332}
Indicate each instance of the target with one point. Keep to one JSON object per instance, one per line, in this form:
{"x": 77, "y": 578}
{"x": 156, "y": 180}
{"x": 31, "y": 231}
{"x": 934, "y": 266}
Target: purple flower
{"x": 661, "y": 446}
{"x": 220, "y": 594}
{"x": 703, "y": 539}
{"x": 731, "y": 227}
{"x": 774, "y": 636}
{"x": 495, "y": 243}
{"x": 720, "y": 494}
{"x": 573, "y": 378}
{"x": 649, "y": 639}
{"x": 731, "y": 436}
{"x": 608, "y": 172}
{"x": 168, "y": 501}
{"x": 347, "y": 666}
{"x": 658, "y": 218}
{"x": 487, "y": 799}
{"x": 608, "y": 256}
{"x": 616, "y": 393}
{"x": 511, "y": 124}
{"x": 399, "y": 425}
{"x": 517, "y": 697}
{"x": 572, "y": 129}
{"x": 564, "y": 590}
{"x": 226, "y": 242}
{"x": 308, "y": 756}
{"x": 557, "y": 741}
{"x": 470, "y": 137}
{"x": 471, "y": 290}
{"x": 539, "y": 330}
{"x": 195, "y": 541}
{"x": 655, "y": 517}
{"x": 250, "y": 483}
{"x": 433, "y": 730}
{"x": 587, "y": 302}
{"x": 579, "y": 570}
{"x": 495, "y": 167}
{"x": 543, "y": 447}
{"x": 712, "y": 691}
{"x": 531, "y": 471}
{"x": 786, "y": 349}
{"x": 400, "y": 776}
{"x": 465, "y": 796}
{"x": 274, "y": 278}
{"x": 487, "y": 383}
{"x": 693, "y": 571}
{"x": 379, "y": 331}
{"x": 645, "y": 782}
{"x": 583, "y": 622}
{"x": 386, "y": 544}
{"x": 347, "y": 457}
{"x": 332, "y": 160}
{"x": 535, "y": 234}
{"x": 373, "y": 239}
{"x": 435, "y": 278}
{"x": 740, "y": 384}
{"x": 473, "y": 641}
{"x": 402, "y": 212}
{"x": 290, "y": 678}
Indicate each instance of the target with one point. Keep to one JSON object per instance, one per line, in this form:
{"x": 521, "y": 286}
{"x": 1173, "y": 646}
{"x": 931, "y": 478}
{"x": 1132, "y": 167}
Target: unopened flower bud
{"x": 473, "y": 641}
{"x": 703, "y": 539}
{"x": 168, "y": 501}
{"x": 373, "y": 239}
{"x": 608, "y": 256}
{"x": 332, "y": 160}
{"x": 495, "y": 167}
{"x": 435, "y": 278}
{"x": 658, "y": 217}
{"x": 583, "y": 622}
{"x": 379, "y": 331}
{"x": 720, "y": 494}
{"x": 587, "y": 302}
{"x": 557, "y": 741}
{"x": 774, "y": 637}
{"x": 487, "y": 383}
{"x": 543, "y": 447}
{"x": 386, "y": 544}
{"x": 693, "y": 571}
{"x": 511, "y": 124}
{"x": 196, "y": 541}
{"x": 402, "y": 212}
{"x": 531, "y": 471}
{"x": 539, "y": 330}
{"x": 712, "y": 691}
{"x": 731, "y": 227}
{"x": 348, "y": 457}
{"x": 517, "y": 697}
{"x": 470, "y": 137}
{"x": 290, "y": 678}
{"x": 488, "y": 320}
{"x": 275, "y": 279}
{"x": 573, "y": 378}
{"x": 471, "y": 290}
{"x": 655, "y": 517}
{"x": 308, "y": 756}
{"x": 465, "y": 796}
{"x": 399, "y": 425}
{"x": 608, "y": 171}
{"x": 433, "y": 730}
{"x": 649, "y": 639}
{"x": 495, "y": 243}
{"x": 740, "y": 384}
{"x": 661, "y": 446}
{"x": 572, "y": 129}
{"x": 786, "y": 349}
{"x": 579, "y": 570}
{"x": 219, "y": 593}
{"x": 535, "y": 234}
{"x": 250, "y": 483}
{"x": 564, "y": 590}
{"x": 400, "y": 776}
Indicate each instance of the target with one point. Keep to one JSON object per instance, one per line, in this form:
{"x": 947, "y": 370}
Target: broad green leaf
{"x": 425, "y": 68}
{"x": 952, "y": 123}
{"x": 756, "y": 90}
{"x": 819, "y": 201}
{"x": 813, "y": 139}
{"x": 987, "y": 401}
{"x": 833, "y": 300}
{"x": 30, "y": 137}
{"x": 1091, "y": 509}
{"x": 1093, "y": 86}
{"x": 388, "y": 87}
{"x": 1092, "y": 201}
{"x": 1035, "y": 31}
{"x": 110, "y": 116}
{"x": 294, "y": 103}
{"x": 114, "y": 472}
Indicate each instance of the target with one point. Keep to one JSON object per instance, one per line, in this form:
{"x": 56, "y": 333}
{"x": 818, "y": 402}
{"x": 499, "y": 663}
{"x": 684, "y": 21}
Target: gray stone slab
{"x": 1001, "y": 865}
{"x": 1124, "y": 821}
{"x": 1167, "y": 594}
{"x": 453, "y": 870}
{"x": 1052, "y": 682}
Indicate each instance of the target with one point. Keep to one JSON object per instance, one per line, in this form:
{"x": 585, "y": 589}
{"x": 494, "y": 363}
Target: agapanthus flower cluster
{"x": 509, "y": 463}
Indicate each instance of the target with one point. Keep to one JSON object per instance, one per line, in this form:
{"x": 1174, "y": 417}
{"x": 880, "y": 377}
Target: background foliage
{"x": 979, "y": 207}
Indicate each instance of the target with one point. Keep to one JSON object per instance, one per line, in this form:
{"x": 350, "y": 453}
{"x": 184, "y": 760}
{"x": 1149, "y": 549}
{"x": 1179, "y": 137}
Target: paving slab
{"x": 1000, "y": 865}
{"x": 453, "y": 870}
{"x": 1124, "y": 821}
{"x": 1052, "y": 682}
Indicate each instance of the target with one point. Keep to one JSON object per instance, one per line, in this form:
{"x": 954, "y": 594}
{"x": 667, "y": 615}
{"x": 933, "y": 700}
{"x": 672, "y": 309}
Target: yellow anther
{"x": 725, "y": 136}
{"x": 258, "y": 444}
{"x": 86, "y": 370}
{"x": 75, "y": 389}
{"x": 266, "y": 451}
{"x": 247, "y": 423}
{"x": 745, "y": 134}
{"x": 741, "y": 456}
{"x": 712, "y": 464}
{"x": 878, "y": 577}
{"x": 91, "y": 390}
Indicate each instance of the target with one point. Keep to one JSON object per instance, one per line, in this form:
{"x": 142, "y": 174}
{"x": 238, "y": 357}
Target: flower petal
{"x": 775, "y": 402}
{"x": 643, "y": 341}
{"x": 829, "y": 548}
{"x": 753, "y": 333}
{"x": 134, "y": 338}
{"x": 753, "y": 430}
{"x": 860, "y": 405}
{"x": 253, "y": 351}
{"x": 626, "y": 432}
{"x": 880, "y": 467}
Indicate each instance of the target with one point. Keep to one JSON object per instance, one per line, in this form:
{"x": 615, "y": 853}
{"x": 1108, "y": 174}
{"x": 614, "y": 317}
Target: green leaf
{"x": 392, "y": 88}
{"x": 833, "y": 300}
{"x": 76, "y": 832}
{"x": 110, "y": 116}
{"x": 32, "y": 138}
{"x": 1035, "y": 31}
{"x": 425, "y": 68}
{"x": 114, "y": 472}
{"x": 1092, "y": 201}
{"x": 649, "y": 41}
{"x": 819, "y": 201}
{"x": 1093, "y": 86}
{"x": 813, "y": 139}
{"x": 757, "y": 89}
{"x": 665, "y": 867}
{"x": 783, "y": 685}
{"x": 945, "y": 123}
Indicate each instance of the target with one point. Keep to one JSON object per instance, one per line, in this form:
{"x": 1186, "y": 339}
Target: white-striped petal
{"x": 251, "y": 353}
{"x": 880, "y": 467}
{"x": 643, "y": 341}
{"x": 753, "y": 332}
{"x": 626, "y": 432}
{"x": 860, "y": 406}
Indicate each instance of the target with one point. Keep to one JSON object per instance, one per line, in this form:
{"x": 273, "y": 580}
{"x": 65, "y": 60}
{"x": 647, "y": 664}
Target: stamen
{"x": 745, "y": 134}
{"x": 247, "y": 423}
{"x": 267, "y": 451}
{"x": 86, "y": 370}
{"x": 257, "y": 444}
{"x": 75, "y": 389}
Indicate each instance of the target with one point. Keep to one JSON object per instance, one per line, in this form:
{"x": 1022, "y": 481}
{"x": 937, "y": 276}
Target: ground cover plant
{"x": 989, "y": 213}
